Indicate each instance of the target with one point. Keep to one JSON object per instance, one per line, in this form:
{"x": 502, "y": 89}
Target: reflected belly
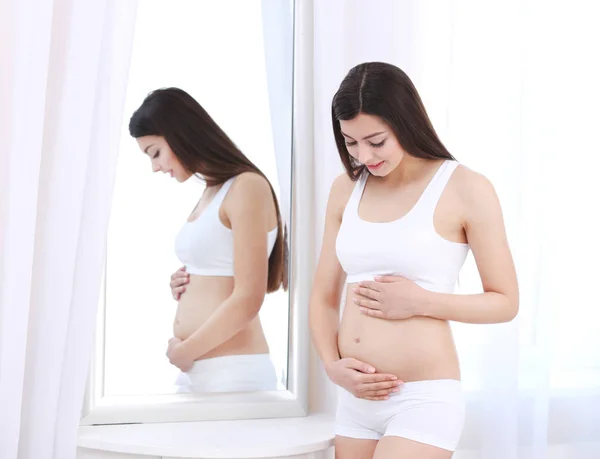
{"x": 416, "y": 349}
{"x": 203, "y": 296}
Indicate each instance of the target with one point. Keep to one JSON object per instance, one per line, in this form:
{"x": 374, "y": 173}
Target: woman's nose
{"x": 364, "y": 154}
{"x": 155, "y": 167}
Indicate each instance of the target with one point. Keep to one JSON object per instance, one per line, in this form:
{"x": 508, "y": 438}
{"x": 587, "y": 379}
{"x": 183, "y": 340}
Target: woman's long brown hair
{"x": 385, "y": 91}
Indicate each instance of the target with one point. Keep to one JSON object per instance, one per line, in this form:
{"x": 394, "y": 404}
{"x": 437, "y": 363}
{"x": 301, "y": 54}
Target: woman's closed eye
{"x": 156, "y": 154}
{"x": 376, "y": 145}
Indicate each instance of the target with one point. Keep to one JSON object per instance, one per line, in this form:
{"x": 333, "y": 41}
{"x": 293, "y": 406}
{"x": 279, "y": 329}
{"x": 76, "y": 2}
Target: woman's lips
{"x": 375, "y": 166}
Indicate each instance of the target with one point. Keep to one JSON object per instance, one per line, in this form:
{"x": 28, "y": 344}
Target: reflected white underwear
{"x": 430, "y": 412}
{"x": 229, "y": 373}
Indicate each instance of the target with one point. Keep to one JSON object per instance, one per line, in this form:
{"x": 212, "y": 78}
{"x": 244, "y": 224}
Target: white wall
{"x": 326, "y": 50}
{"x": 571, "y": 451}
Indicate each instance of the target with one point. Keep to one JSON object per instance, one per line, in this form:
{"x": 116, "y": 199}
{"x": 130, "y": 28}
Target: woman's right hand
{"x": 361, "y": 379}
{"x": 178, "y": 281}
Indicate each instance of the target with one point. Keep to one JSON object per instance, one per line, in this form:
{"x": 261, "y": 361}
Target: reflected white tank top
{"x": 205, "y": 245}
{"x": 408, "y": 247}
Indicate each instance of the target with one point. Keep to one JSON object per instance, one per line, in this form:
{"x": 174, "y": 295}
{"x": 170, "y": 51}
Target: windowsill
{"x": 256, "y": 438}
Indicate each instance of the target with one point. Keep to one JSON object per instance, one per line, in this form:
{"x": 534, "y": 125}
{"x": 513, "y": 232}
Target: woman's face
{"x": 372, "y": 143}
{"x": 162, "y": 157}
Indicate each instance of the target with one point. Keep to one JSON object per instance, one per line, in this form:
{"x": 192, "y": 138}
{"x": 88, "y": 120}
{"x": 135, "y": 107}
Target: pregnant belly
{"x": 203, "y": 296}
{"x": 416, "y": 349}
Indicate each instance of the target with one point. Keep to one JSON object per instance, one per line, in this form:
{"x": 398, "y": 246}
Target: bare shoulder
{"x": 471, "y": 185}
{"x": 249, "y": 196}
{"x": 251, "y": 182}
{"x": 476, "y": 193}
{"x": 250, "y": 186}
{"x": 340, "y": 192}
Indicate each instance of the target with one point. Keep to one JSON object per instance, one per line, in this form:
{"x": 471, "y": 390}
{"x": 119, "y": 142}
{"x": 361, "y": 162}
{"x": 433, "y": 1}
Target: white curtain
{"x": 512, "y": 89}
{"x": 278, "y": 37}
{"x": 64, "y": 68}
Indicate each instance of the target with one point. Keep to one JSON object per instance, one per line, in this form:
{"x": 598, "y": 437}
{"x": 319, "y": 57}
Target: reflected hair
{"x": 204, "y": 149}
{"x": 385, "y": 91}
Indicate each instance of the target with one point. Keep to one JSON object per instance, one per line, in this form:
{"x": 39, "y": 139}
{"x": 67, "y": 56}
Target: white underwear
{"x": 229, "y": 373}
{"x": 430, "y": 412}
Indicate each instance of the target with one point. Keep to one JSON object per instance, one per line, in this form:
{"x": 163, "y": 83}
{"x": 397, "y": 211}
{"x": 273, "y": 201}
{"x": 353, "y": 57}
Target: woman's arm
{"x": 248, "y": 213}
{"x": 324, "y": 309}
{"x": 484, "y": 227}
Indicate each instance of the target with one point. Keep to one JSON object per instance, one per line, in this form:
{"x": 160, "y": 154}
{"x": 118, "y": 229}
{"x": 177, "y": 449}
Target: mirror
{"x": 235, "y": 59}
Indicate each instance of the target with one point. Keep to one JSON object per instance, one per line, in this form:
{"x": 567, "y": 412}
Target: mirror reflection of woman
{"x": 399, "y": 224}
{"x": 232, "y": 247}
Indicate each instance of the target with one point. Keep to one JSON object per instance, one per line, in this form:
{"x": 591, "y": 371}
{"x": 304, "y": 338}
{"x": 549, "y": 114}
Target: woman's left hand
{"x": 389, "y": 297}
{"x": 177, "y": 357}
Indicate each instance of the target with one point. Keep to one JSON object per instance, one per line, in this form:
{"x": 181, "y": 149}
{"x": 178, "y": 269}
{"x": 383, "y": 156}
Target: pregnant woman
{"x": 399, "y": 224}
{"x": 232, "y": 247}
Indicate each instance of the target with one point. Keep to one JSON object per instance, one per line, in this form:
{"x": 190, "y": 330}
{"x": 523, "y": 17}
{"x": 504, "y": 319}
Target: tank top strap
{"x": 436, "y": 186}
{"x": 220, "y": 196}
{"x": 356, "y": 195}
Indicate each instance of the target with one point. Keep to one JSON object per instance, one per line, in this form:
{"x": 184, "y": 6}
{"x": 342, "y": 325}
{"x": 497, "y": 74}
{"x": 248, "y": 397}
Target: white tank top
{"x": 205, "y": 245}
{"x": 408, "y": 247}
